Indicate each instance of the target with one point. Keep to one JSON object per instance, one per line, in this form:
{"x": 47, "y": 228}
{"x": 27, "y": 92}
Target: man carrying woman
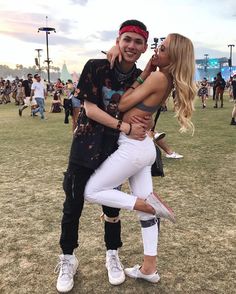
{"x": 94, "y": 140}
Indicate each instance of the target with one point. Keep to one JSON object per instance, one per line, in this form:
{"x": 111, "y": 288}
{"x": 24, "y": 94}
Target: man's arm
{"x": 31, "y": 94}
{"x": 95, "y": 113}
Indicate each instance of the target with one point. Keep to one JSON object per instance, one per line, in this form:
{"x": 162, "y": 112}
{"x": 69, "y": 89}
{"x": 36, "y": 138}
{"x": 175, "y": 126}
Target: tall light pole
{"x": 37, "y": 60}
{"x": 206, "y": 63}
{"x": 230, "y": 58}
{"x": 47, "y": 30}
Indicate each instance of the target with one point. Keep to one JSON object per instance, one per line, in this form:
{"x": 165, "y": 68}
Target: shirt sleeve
{"x": 88, "y": 83}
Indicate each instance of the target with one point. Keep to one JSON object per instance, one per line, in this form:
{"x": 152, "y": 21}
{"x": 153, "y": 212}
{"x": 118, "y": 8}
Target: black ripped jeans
{"x": 74, "y": 183}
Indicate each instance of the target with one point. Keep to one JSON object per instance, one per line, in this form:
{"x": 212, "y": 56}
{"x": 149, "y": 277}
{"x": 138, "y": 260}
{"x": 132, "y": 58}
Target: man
{"x": 220, "y": 87}
{"x": 39, "y": 93}
{"x": 26, "y": 84}
{"x": 100, "y": 88}
{"x": 233, "y": 119}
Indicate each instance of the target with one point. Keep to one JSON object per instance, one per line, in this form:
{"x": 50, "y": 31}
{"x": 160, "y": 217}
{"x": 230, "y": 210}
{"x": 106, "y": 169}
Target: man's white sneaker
{"x": 134, "y": 272}
{"x": 66, "y": 267}
{"x": 114, "y": 267}
{"x": 174, "y": 155}
{"x": 161, "y": 208}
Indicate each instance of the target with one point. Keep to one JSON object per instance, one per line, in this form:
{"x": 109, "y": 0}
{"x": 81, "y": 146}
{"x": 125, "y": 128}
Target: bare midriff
{"x": 134, "y": 112}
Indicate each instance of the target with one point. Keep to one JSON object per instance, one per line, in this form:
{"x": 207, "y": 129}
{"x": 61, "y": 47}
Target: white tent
{"x": 65, "y": 75}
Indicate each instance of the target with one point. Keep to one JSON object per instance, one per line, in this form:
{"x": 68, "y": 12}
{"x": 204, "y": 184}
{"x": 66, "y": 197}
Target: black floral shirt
{"x": 93, "y": 142}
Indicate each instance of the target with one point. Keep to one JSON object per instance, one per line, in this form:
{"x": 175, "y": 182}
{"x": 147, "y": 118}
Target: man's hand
{"x": 147, "y": 121}
{"x": 138, "y": 132}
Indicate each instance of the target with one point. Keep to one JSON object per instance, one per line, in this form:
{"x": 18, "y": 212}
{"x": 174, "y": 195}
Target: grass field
{"x": 196, "y": 255}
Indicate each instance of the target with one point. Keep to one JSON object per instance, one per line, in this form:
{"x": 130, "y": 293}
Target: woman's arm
{"x": 155, "y": 83}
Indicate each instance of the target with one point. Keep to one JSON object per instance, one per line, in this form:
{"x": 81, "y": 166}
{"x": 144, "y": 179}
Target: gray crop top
{"x": 144, "y": 107}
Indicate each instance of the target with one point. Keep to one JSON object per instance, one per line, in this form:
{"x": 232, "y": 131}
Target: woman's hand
{"x": 149, "y": 68}
{"x": 112, "y": 54}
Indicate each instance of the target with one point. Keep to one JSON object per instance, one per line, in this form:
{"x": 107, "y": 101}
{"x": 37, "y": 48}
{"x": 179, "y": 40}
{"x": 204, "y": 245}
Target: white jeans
{"x": 132, "y": 160}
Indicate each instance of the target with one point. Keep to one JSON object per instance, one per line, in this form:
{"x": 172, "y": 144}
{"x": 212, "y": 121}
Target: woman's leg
{"x": 127, "y": 160}
{"x": 141, "y": 184}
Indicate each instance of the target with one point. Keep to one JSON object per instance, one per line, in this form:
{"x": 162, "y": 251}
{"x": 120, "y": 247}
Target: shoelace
{"x": 114, "y": 263}
{"x": 64, "y": 266}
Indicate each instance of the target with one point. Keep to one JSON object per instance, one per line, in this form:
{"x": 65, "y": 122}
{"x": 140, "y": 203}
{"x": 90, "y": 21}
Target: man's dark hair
{"x": 29, "y": 74}
{"x": 133, "y": 22}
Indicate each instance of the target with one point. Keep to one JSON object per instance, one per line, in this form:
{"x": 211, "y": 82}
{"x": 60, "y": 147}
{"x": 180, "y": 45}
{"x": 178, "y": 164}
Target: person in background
{"x": 220, "y": 87}
{"x": 233, "y": 84}
{"x": 39, "y": 93}
{"x": 59, "y": 86}
{"x": 158, "y": 138}
{"x": 203, "y": 92}
{"x": 56, "y": 105}
{"x": 26, "y": 84}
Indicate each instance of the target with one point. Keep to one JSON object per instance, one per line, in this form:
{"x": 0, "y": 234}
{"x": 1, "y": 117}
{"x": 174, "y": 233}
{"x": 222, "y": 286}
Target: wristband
{"x": 130, "y": 129}
{"x": 139, "y": 80}
{"x": 119, "y": 124}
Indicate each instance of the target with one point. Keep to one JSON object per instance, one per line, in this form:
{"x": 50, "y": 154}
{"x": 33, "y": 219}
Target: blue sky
{"x": 85, "y": 27}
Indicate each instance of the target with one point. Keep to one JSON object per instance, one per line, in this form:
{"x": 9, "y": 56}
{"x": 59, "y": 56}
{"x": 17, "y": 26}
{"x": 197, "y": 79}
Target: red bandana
{"x": 135, "y": 29}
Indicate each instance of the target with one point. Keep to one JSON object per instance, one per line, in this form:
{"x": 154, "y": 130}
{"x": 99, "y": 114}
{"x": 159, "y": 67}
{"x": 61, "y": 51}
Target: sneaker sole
{"x": 143, "y": 278}
{"x": 67, "y": 290}
{"x": 116, "y": 282}
{"x": 159, "y": 137}
{"x": 170, "y": 211}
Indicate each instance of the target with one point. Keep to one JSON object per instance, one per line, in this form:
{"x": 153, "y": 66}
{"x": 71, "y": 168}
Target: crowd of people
{"x": 216, "y": 89}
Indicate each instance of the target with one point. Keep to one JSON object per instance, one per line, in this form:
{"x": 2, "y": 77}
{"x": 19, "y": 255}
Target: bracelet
{"x": 130, "y": 129}
{"x": 139, "y": 80}
{"x": 119, "y": 124}
{"x": 132, "y": 87}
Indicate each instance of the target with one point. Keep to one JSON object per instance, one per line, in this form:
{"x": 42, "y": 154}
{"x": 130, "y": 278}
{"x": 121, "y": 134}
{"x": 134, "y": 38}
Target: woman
{"x": 203, "y": 92}
{"x": 133, "y": 159}
{"x": 56, "y": 105}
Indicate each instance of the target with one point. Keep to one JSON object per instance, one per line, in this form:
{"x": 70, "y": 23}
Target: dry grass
{"x": 197, "y": 255}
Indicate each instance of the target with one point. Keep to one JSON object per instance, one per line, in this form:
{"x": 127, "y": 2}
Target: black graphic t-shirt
{"x": 27, "y": 85}
{"x": 93, "y": 142}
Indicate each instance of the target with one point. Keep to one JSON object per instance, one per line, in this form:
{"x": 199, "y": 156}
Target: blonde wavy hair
{"x": 182, "y": 69}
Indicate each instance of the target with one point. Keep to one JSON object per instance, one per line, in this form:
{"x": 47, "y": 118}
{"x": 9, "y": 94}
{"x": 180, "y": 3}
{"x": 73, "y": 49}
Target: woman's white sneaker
{"x": 134, "y": 272}
{"x": 114, "y": 267}
{"x": 161, "y": 208}
{"x": 66, "y": 267}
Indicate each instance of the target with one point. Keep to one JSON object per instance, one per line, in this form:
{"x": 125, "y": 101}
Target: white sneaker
{"x": 161, "y": 208}
{"x": 114, "y": 267}
{"x": 66, "y": 267}
{"x": 174, "y": 155}
{"x": 134, "y": 272}
{"x": 158, "y": 136}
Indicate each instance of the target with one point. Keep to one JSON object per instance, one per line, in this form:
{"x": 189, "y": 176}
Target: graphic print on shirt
{"x": 111, "y": 98}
